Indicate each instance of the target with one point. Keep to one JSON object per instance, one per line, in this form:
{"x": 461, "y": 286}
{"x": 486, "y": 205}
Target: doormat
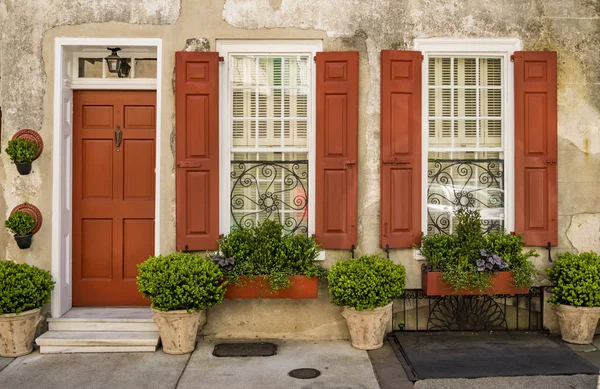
{"x": 475, "y": 355}
{"x": 245, "y": 350}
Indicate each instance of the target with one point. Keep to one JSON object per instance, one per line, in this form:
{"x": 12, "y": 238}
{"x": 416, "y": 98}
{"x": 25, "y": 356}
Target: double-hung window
{"x": 268, "y": 123}
{"x": 468, "y": 137}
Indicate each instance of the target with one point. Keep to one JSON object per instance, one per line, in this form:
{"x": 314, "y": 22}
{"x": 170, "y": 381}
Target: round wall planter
{"x": 178, "y": 329}
{"x": 577, "y": 324}
{"x": 24, "y": 242}
{"x": 17, "y": 332}
{"x": 367, "y": 327}
{"x": 24, "y": 168}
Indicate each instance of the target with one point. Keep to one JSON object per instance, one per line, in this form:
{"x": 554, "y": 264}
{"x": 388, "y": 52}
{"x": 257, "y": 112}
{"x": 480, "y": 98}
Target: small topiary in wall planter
{"x": 22, "y": 152}
{"x": 21, "y": 224}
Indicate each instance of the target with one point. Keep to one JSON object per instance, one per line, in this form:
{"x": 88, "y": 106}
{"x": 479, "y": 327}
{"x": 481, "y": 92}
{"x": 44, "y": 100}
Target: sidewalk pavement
{"x": 341, "y": 366}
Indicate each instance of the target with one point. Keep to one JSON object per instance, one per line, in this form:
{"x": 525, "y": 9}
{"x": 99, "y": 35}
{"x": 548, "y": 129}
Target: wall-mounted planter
{"x": 301, "y": 287}
{"x": 24, "y": 168}
{"x": 501, "y": 283}
{"x": 24, "y": 242}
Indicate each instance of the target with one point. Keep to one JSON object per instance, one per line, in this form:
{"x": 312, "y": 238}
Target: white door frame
{"x": 62, "y": 163}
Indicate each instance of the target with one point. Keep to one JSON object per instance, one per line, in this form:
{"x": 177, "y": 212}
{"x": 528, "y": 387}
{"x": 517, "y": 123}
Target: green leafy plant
{"x": 21, "y": 150}
{"x": 367, "y": 282}
{"x": 577, "y": 280}
{"x": 181, "y": 281}
{"x": 468, "y": 258}
{"x": 23, "y": 287}
{"x": 264, "y": 250}
{"x": 20, "y": 223}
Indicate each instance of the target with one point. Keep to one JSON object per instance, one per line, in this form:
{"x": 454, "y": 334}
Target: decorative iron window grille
{"x": 270, "y": 190}
{"x": 465, "y": 183}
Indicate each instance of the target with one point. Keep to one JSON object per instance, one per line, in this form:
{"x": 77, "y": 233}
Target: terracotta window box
{"x": 301, "y": 287}
{"x": 501, "y": 283}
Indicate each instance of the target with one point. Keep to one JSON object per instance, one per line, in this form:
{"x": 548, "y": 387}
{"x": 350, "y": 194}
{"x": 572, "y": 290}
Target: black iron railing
{"x": 270, "y": 190}
{"x": 415, "y": 311}
{"x": 465, "y": 183}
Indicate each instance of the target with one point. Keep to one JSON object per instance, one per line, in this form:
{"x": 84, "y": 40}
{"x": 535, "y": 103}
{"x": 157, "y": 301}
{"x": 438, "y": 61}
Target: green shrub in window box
{"x": 470, "y": 261}
{"x": 264, "y": 257}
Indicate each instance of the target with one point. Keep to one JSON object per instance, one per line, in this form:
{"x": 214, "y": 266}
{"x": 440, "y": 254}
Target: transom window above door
{"x": 466, "y": 130}
{"x": 270, "y": 121}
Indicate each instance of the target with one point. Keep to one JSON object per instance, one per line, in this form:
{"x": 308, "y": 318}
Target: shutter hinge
{"x": 221, "y": 59}
{"x": 512, "y": 58}
{"x": 422, "y": 57}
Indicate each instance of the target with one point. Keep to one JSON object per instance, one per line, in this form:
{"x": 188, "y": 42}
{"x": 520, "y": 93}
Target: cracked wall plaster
{"x": 584, "y": 232}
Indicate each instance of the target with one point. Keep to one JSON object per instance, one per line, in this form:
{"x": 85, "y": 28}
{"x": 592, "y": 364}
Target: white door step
{"x": 104, "y": 319}
{"x": 96, "y": 349}
{"x": 89, "y": 341}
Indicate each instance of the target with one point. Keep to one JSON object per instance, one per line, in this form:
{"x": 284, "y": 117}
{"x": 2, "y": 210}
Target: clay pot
{"x": 577, "y": 324}
{"x": 178, "y": 329}
{"x": 17, "y": 332}
{"x": 367, "y": 327}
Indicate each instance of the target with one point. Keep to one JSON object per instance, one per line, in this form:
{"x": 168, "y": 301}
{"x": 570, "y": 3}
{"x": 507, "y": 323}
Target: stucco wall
{"x": 571, "y": 27}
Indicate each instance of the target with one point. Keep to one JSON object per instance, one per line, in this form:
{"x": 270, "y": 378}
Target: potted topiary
{"x": 470, "y": 262}
{"x": 22, "y": 152}
{"x": 576, "y": 295}
{"x": 366, "y": 287}
{"x": 24, "y": 290}
{"x": 181, "y": 286}
{"x": 21, "y": 224}
{"x": 263, "y": 262}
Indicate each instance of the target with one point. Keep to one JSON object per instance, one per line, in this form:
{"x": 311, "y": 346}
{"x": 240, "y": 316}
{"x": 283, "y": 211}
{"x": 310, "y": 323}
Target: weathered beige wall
{"x": 571, "y": 27}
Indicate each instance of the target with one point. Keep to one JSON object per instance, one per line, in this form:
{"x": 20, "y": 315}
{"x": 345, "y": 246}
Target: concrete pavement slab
{"x": 388, "y": 369}
{"x": 94, "y": 371}
{"x": 531, "y": 382}
{"x": 4, "y": 362}
{"x": 342, "y": 367}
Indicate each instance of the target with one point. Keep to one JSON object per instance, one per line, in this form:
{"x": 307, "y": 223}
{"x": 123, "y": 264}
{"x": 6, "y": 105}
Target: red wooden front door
{"x": 113, "y": 194}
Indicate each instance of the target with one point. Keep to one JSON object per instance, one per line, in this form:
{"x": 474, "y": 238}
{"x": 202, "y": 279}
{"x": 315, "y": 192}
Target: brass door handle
{"x": 118, "y": 137}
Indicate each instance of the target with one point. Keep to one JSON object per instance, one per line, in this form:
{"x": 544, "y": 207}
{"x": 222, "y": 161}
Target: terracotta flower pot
{"x": 577, "y": 324}
{"x": 178, "y": 329}
{"x": 367, "y": 327}
{"x": 17, "y": 332}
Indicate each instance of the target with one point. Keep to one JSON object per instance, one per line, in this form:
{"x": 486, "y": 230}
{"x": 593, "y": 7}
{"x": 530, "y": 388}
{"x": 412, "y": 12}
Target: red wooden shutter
{"x": 337, "y": 149}
{"x": 536, "y": 151}
{"x": 197, "y": 150}
{"x": 400, "y": 166}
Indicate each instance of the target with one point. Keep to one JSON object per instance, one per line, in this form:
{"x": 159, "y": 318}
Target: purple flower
{"x": 483, "y": 252}
{"x": 489, "y": 266}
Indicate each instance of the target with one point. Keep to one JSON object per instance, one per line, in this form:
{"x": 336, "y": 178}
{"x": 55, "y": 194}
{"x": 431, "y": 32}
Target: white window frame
{"x": 226, "y": 49}
{"x": 503, "y": 48}
{"x": 128, "y": 83}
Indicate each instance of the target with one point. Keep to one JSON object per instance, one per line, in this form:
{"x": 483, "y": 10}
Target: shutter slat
{"x": 197, "y": 150}
{"x": 337, "y": 150}
{"x": 400, "y": 148}
{"x": 536, "y": 149}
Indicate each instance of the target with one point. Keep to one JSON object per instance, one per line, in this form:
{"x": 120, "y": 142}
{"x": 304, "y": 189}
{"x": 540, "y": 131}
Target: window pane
{"x": 270, "y": 186}
{"x": 90, "y": 67}
{"x": 491, "y": 133}
{"x": 465, "y": 102}
{"x": 244, "y": 103}
{"x": 145, "y": 68}
{"x": 465, "y": 71}
{"x": 467, "y": 179}
{"x": 490, "y": 102}
{"x": 439, "y": 71}
{"x": 440, "y": 133}
{"x": 490, "y": 70}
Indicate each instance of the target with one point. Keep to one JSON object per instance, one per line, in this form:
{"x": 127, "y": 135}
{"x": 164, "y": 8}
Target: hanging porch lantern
{"x": 113, "y": 61}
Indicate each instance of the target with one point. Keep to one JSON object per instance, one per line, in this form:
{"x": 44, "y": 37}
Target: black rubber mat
{"x": 473, "y": 355}
{"x": 245, "y": 350}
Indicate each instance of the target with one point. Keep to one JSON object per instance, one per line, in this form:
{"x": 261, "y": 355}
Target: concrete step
{"x": 105, "y": 319}
{"x": 56, "y": 342}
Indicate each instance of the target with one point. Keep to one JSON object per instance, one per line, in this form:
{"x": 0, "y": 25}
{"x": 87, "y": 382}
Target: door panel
{"x": 113, "y": 194}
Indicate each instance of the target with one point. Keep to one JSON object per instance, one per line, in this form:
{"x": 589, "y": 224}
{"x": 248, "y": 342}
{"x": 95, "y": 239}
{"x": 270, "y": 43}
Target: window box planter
{"x": 433, "y": 285}
{"x": 301, "y": 287}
